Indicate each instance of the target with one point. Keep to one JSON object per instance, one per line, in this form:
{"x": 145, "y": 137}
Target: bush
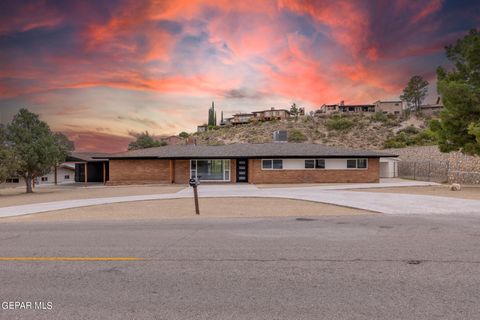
{"x": 411, "y": 136}
{"x": 379, "y": 116}
{"x": 296, "y": 136}
{"x": 410, "y": 130}
{"x": 339, "y": 123}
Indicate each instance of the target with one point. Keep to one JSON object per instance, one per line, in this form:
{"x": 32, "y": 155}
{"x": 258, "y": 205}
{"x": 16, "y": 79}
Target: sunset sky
{"x": 101, "y": 71}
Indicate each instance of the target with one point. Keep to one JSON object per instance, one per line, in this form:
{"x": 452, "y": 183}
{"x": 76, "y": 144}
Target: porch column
{"x": 172, "y": 171}
{"x": 86, "y": 174}
{"x": 104, "y": 173}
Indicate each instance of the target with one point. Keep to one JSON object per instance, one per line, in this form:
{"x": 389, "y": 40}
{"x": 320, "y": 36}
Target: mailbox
{"x": 193, "y": 182}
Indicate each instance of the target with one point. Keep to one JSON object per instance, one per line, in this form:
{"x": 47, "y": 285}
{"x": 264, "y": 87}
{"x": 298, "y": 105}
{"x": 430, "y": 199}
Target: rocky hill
{"x": 376, "y": 131}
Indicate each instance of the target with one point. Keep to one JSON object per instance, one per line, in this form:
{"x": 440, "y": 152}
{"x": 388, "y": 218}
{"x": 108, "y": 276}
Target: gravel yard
{"x": 17, "y": 196}
{"x": 467, "y": 192}
{"x": 184, "y": 208}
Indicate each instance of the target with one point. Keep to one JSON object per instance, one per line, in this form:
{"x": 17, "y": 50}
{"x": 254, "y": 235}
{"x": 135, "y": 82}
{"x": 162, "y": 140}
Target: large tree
{"x": 7, "y": 160}
{"x": 36, "y": 148}
{"x": 415, "y": 92}
{"x": 145, "y": 140}
{"x": 459, "y": 125}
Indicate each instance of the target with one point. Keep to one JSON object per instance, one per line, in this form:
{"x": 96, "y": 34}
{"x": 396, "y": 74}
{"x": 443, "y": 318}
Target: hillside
{"x": 354, "y": 131}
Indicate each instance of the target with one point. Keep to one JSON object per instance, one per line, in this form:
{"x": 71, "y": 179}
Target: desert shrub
{"x": 379, "y": 116}
{"x": 339, "y": 123}
{"x": 410, "y": 130}
{"x": 296, "y": 136}
{"x": 411, "y": 136}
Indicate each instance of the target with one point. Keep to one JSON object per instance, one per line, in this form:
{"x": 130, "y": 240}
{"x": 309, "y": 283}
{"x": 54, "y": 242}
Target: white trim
{"x": 313, "y": 169}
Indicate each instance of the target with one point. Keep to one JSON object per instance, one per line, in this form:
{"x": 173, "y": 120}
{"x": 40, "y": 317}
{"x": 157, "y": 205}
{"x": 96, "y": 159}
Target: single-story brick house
{"x": 252, "y": 163}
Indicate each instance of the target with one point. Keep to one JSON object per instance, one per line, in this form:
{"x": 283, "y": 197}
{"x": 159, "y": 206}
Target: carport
{"x": 90, "y": 166}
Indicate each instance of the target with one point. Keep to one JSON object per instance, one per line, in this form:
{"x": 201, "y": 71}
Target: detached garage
{"x": 389, "y": 167}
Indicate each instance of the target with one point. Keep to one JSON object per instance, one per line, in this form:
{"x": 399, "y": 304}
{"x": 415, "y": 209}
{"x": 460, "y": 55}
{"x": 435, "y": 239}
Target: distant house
{"x": 202, "y": 128}
{"x": 172, "y": 139}
{"x": 431, "y": 109}
{"x": 346, "y": 108}
{"x": 272, "y": 114}
{"x": 242, "y": 118}
{"x": 64, "y": 173}
{"x": 389, "y": 107}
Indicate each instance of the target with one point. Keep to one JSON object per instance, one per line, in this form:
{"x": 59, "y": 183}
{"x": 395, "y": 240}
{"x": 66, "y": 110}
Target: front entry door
{"x": 242, "y": 170}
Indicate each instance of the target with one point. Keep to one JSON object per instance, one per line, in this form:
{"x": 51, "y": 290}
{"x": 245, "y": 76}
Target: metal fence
{"x": 436, "y": 171}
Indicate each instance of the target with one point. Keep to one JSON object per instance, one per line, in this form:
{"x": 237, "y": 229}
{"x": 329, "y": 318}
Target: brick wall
{"x": 182, "y": 171}
{"x": 257, "y": 175}
{"x": 139, "y": 171}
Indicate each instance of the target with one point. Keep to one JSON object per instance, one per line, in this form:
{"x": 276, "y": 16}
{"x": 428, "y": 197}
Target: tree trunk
{"x": 28, "y": 182}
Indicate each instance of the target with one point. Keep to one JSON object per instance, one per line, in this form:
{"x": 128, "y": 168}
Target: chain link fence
{"x": 436, "y": 171}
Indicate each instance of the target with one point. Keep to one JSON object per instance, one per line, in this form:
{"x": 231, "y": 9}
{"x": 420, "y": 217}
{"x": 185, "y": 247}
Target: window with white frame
{"x": 210, "y": 170}
{"x": 315, "y": 164}
{"x": 357, "y": 164}
{"x": 272, "y": 164}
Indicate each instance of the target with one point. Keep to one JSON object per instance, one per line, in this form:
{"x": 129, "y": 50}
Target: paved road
{"x": 354, "y": 267}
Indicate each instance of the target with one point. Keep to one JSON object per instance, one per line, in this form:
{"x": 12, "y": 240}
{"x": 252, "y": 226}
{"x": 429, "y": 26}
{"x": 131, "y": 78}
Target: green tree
{"x": 458, "y": 127}
{"x": 415, "y": 92}
{"x": 7, "y": 160}
{"x": 183, "y": 135}
{"x": 145, "y": 140}
{"x": 36, "y": 148}
{"x": 294, "y": 109}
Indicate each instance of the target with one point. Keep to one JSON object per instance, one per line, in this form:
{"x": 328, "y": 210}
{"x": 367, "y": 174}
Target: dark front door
{"x": 242, "y": 170}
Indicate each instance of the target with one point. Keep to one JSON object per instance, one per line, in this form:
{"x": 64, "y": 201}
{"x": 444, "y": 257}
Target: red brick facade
{"x": 139, "y": 171}
{"x": 178, "y": 171}
{"x": 257, "y": 175}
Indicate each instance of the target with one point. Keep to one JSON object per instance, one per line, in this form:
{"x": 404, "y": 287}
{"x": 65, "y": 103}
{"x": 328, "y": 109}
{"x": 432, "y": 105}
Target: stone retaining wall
{"x": 428, "y": 163}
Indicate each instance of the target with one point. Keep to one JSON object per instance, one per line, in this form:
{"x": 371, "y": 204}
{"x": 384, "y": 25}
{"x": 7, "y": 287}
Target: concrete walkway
{"x": 387, "y": 203}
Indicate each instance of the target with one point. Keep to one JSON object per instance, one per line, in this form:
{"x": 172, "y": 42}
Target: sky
{"x": 101, "y": 71}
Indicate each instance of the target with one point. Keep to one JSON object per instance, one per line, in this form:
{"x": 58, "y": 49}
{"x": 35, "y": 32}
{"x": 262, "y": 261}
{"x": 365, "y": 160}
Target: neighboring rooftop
{"x": 240, "y": 150}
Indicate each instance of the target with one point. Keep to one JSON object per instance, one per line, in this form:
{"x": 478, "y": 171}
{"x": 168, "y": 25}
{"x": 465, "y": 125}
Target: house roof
{"x": 87, "y": 156}
{"x": 241, "y": 150}
{"x": 271, "y": 110}
{"x": 242, "y": 114}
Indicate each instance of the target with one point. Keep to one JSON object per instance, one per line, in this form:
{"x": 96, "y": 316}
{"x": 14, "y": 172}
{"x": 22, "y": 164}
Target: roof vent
{"x": 280, "y": 136}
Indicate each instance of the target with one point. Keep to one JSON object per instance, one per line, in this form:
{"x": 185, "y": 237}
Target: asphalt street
{"x": 348, "y": 267}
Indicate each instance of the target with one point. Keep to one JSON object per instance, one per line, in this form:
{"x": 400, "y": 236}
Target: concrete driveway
{"x": 333, "y": 194}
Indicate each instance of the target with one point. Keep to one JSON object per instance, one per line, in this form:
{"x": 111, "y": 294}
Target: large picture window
{"x": 210, "y": 170}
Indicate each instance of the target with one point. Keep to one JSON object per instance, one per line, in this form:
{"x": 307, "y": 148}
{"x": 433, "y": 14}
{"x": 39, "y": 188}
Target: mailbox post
{"x": 194, "y": 183}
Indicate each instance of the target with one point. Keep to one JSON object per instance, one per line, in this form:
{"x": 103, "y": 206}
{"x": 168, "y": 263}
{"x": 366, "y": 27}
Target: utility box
{"x": 280, "y": 136}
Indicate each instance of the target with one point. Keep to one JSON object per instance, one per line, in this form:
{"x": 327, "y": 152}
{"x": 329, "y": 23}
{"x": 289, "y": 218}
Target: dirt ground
{"x": 184, "y": 208}
{"x": 467, "y": 192}
{"x": 17, "y": 196}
